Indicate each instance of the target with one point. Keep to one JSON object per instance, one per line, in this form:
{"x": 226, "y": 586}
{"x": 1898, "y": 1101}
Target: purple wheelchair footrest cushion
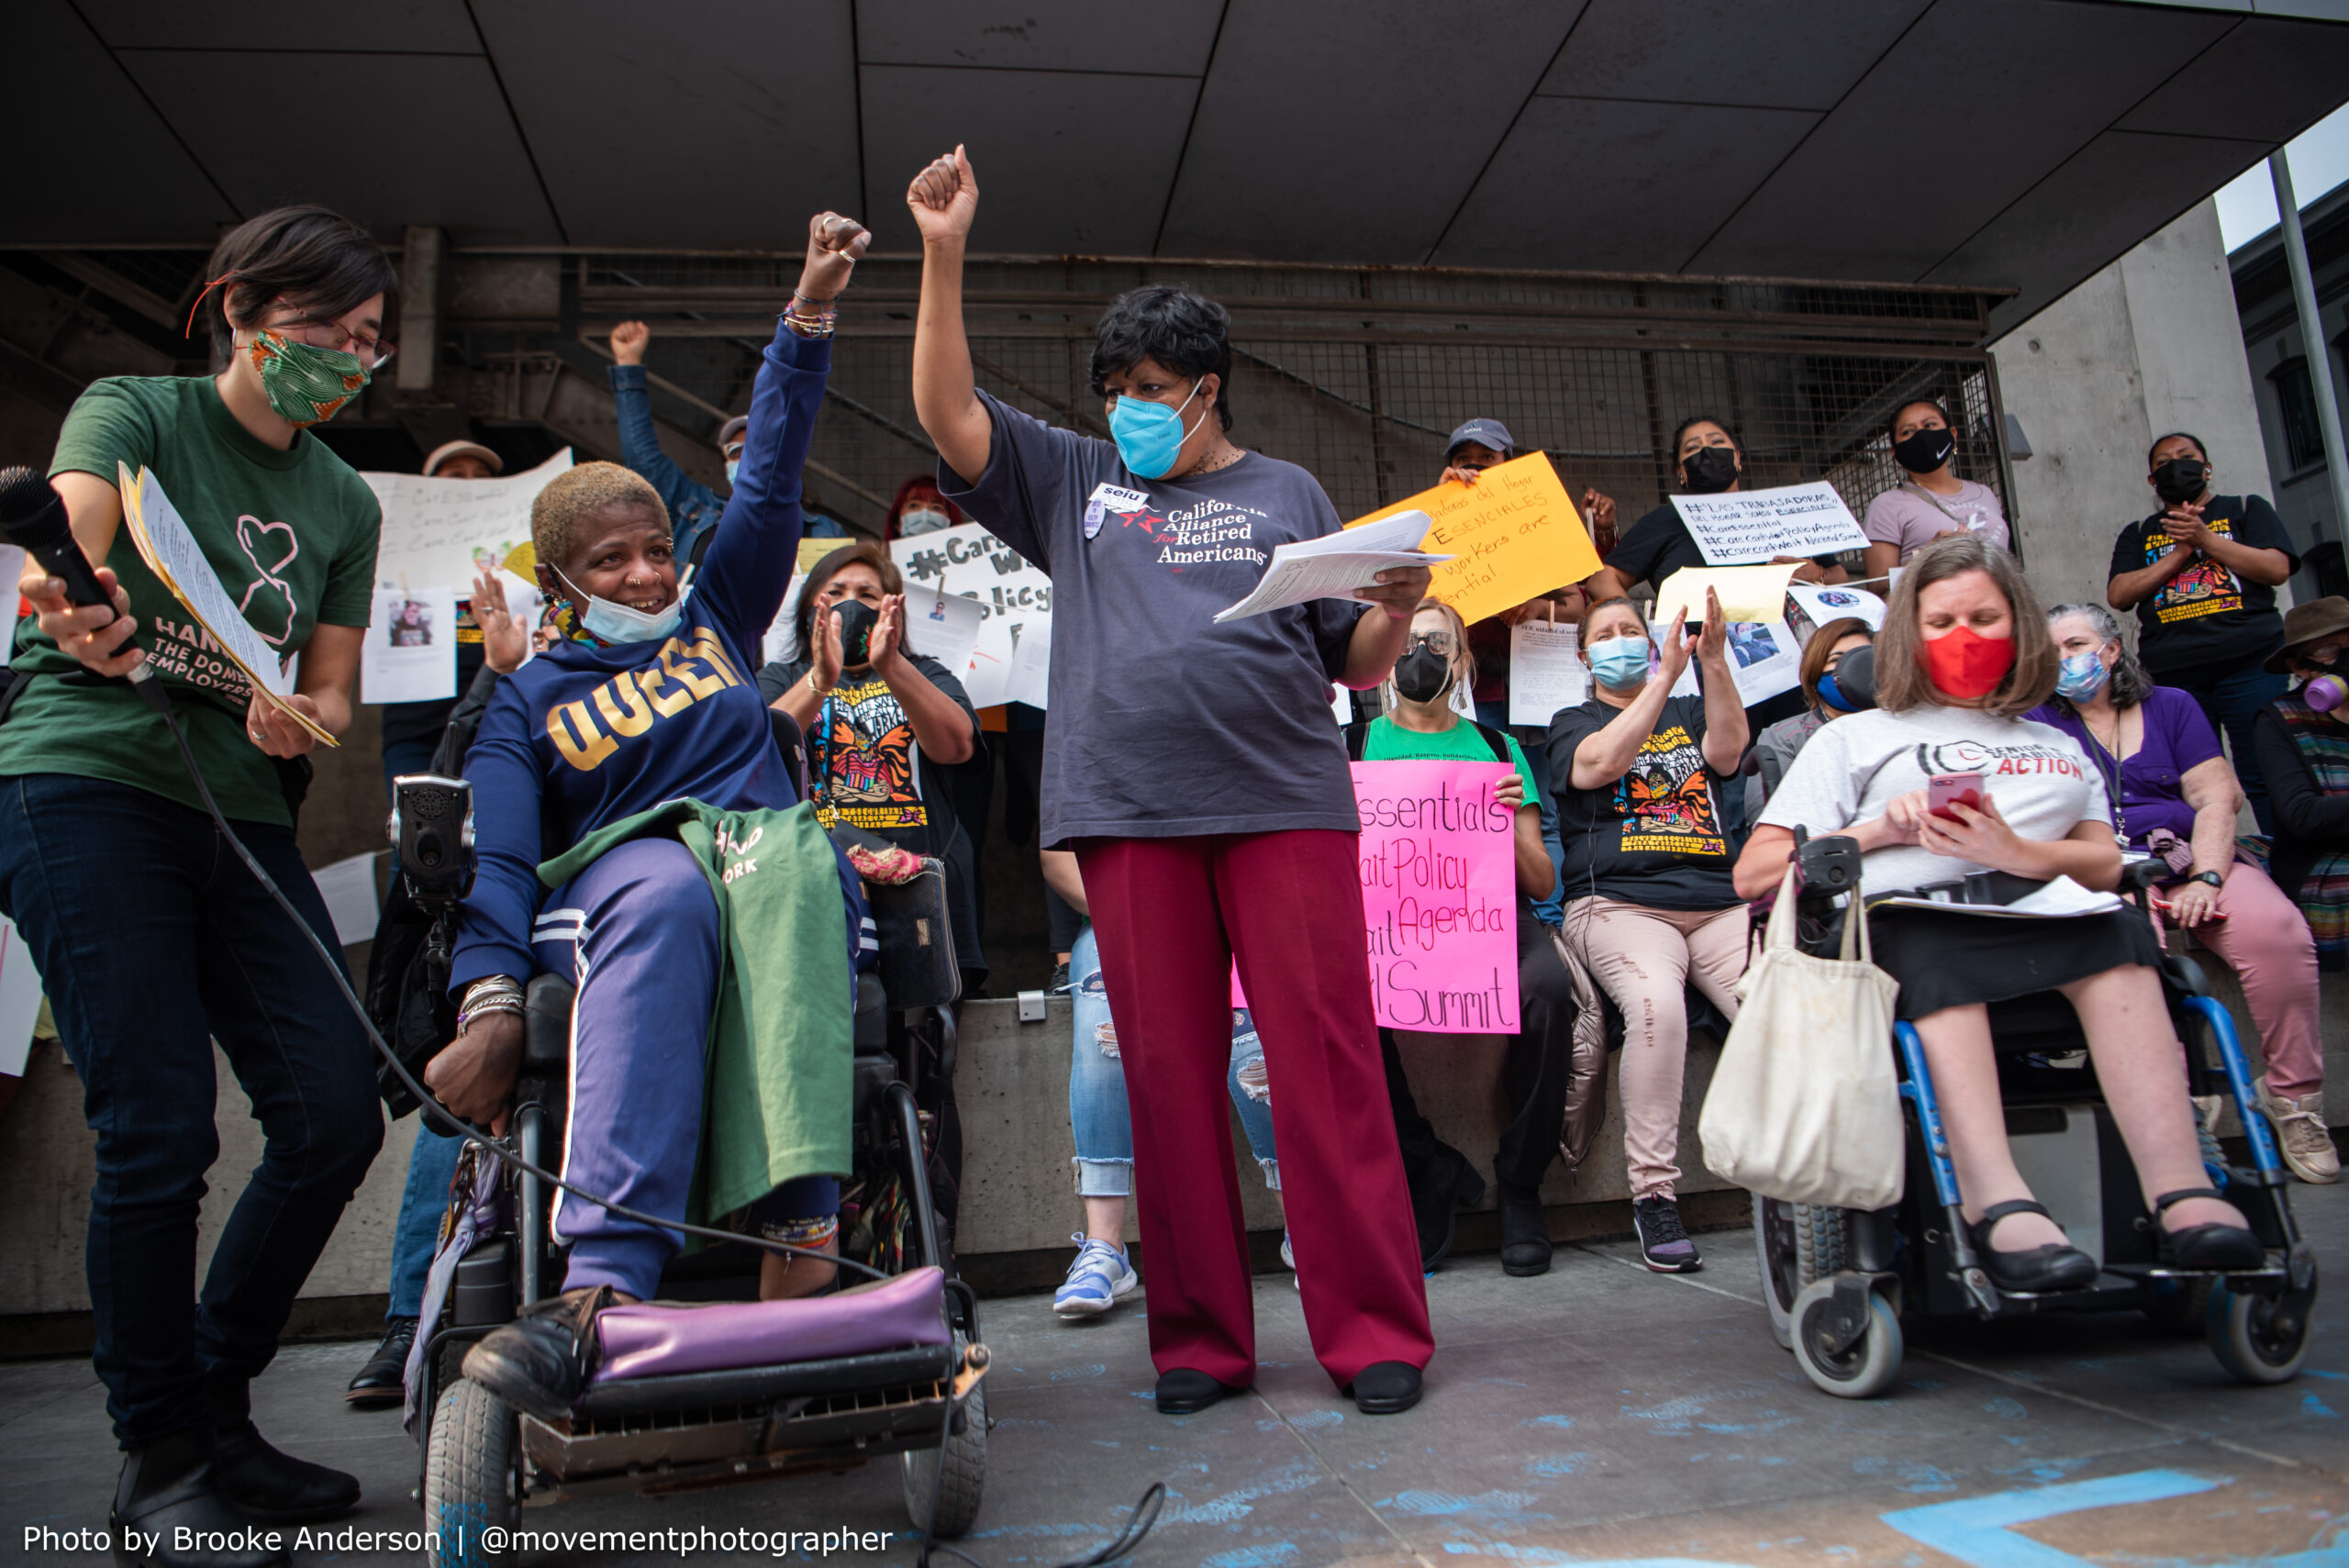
{"x": 652, "y": 1341}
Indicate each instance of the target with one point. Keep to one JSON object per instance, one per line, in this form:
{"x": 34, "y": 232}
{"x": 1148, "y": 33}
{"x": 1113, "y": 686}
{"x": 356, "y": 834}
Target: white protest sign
{"x": 20, "y": 1001}
{"x": 973, "y": 564}
{"x": 1546, "y": 674}
{"x": 410, "y": 654}
{"x": 443, "y": 530}
{"x": 1836, "y": 602}
{"x": 945, "y": 626}
{"x": 352, "y": 901}
{"x": 1032, "y": 665}
{"x": 1741, "y": 527}
{"x": 1765, "y": 660}
{"x": 12, "y": 566}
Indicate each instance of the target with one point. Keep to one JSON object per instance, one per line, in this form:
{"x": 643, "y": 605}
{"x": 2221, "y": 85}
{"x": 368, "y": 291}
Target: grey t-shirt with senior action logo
{"x": 1165, "y": 724}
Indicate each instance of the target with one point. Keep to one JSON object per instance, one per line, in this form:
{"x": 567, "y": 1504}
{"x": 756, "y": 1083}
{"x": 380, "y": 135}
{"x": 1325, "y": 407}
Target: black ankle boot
{"x": 169, "y": 1486}
{"x": 1525, "y": 1232}
{"x": 272, "y": 1487}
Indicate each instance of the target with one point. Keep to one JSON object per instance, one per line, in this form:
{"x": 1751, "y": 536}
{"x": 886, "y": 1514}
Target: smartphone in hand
{"x": 1947, "y": 790}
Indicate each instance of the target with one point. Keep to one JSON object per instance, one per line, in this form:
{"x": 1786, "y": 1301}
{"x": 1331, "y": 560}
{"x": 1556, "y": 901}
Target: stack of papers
{"x": 2060, "y": 899}
{"x": 1334, "y": 565}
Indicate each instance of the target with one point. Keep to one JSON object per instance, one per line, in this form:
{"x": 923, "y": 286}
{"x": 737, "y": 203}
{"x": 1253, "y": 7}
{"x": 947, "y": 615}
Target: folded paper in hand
{"x": 1334, "y": 565}
{"x": 2059, "y": 899}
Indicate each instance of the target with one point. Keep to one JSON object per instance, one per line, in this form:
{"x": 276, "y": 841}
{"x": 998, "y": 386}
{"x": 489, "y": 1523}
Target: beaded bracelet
{"x": 500, "y": 1003}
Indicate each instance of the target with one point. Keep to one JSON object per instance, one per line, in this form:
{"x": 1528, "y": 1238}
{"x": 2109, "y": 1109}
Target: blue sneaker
{"x": 1095, "y": 1280}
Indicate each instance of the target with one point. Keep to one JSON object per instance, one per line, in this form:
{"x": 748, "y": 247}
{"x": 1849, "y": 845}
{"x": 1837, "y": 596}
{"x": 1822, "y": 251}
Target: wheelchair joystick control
{"x": 431, "y": 827}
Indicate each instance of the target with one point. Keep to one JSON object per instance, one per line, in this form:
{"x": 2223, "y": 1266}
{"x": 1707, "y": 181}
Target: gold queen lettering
{"x": 631, "y": 702}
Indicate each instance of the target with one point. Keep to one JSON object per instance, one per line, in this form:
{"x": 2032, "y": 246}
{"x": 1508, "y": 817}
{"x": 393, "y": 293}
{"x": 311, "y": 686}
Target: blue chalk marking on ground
{"x": 2007, "y": 1409}
{"x": 1253, "y": 1556}
{"x": 1561, "y": 1422}
{"x": 1316, "y": 1420}
{"x": 1978, "y": 1529}
{"x": 2312, "y": 1405}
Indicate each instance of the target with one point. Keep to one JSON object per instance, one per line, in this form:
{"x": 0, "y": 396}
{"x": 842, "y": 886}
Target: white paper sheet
{"x": 348, "y": 889}
{"x": 2060, "y": 899}
{"x": 1545, "y": 671}
{"x": 1012, "y": 595}
{"x": 1764, "y": 659}
{"x": 12, "y": 566}
{"x": 1835, "y": 603}
{"x": 441, "y": 530}
{"x": 410, "y": 654}
{"x": 1740, "y": 526}
{"x": 19, "y": 1000}
{"x": 945, "y": 626}
{"x": 1334, "y": 565}
{"x": 1032, "y": 665}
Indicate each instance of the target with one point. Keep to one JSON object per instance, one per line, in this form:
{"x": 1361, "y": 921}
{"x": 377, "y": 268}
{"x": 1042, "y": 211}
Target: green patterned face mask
{"x": 307, "y": 385}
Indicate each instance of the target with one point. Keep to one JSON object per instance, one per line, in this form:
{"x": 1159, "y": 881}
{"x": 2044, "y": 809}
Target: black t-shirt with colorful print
{"x": 1654, "y": 836}
{"x": 2205, "y": 616}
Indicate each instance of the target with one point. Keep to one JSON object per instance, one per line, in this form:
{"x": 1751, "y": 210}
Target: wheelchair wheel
{"x": 964, "y": 1470}
{"x": 469, "y": 1475}
{"x": 2183, "y": 1309}
{"x": 1866, "y": 1367}
{"x": 2260, "y": 1339}
{"x": 1797, "y": 1244}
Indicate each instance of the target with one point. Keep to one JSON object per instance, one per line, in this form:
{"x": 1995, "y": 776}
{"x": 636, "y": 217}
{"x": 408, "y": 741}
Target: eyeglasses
{"x": 1439, "y": 643}
{"x": 373, "y": 352}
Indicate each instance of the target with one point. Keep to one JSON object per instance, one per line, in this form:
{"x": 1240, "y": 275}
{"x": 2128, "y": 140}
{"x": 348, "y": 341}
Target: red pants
{"x": 1171, "y": 915}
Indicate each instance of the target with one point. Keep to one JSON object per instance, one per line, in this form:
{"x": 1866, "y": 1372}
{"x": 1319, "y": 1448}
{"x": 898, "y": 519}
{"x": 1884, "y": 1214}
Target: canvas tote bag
{"x": 1805, "y": 1107}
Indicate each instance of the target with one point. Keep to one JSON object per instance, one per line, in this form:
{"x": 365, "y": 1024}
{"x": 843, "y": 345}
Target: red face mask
{"x": 1966, "y": 665}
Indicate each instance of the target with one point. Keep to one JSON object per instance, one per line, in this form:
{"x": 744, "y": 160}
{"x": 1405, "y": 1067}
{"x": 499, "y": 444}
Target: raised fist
{"x": 628, "y": 339}
{"x": 833, "y": 245}
{"x": 945, "y": 198}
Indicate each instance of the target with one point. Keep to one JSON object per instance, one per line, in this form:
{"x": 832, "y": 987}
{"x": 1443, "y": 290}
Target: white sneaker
{"x": 2302, "y": 1135}
{"x": 1289, "y": 1258}
{"x": 1095, "y": 1280}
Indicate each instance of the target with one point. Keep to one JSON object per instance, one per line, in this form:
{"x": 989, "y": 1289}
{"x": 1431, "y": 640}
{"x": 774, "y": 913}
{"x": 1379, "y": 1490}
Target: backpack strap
{"x": 1497, "y": 740}
{"x": 1357, "y": 736}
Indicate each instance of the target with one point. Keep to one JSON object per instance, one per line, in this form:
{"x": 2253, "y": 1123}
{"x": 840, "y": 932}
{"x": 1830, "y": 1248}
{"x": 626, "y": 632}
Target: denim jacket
{"x": 694, "y": 507}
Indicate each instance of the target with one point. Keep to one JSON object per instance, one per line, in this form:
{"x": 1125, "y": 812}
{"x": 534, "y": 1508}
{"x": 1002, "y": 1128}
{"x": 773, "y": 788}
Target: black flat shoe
{"x": 169, "y": 1500}
{"x": 383, "y": 1381}
{"x": 1186, "y": 1391}
{"x": 1384, "y": 1388}
{"x": 273, "y": 1487}
{"x": 541, "y": 1362}
{"x": 2038, "y": 1271}
{"x": 1525, "y": 1232}
{"x": 1448, "y": 1185}
{"x": 2204, "y": 1246}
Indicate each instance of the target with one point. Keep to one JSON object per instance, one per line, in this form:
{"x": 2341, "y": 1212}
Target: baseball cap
{"x": 732, "y": 428}
{"x": 1484, "y": 433}
{"x": 447, "y": 450}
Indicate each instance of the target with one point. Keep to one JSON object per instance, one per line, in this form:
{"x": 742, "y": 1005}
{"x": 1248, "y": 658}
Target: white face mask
{"x": 923, "y": 521}
{"x": 617, "y": 623}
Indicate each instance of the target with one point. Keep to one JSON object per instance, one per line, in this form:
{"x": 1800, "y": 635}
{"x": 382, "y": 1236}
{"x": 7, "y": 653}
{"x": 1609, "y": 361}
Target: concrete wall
{"x": 2149, "y": 345}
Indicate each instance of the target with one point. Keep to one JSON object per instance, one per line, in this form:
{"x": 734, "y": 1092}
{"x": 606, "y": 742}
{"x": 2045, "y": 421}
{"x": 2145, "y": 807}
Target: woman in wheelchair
{"x": 1963, "y": 653}
{"x": 644, "y": 700}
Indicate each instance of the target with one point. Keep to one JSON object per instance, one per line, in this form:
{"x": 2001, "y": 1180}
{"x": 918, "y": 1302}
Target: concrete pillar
{"x": 420, "y": 276}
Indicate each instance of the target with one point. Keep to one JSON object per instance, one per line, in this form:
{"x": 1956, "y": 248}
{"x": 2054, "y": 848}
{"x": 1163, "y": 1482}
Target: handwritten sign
{"x": 443, "y": 530}
{"x": 1511, "y": 534}
{"x": 1439, "y": 889}
{"x": 973, "y": 564}
{"x": 1741, "y": 527}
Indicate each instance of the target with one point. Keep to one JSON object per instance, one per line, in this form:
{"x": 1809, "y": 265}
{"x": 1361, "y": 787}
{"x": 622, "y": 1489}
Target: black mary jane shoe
{"x": 2034, "y": 1272}
{"x": 1186, "y": 1391}
{"x": 1384, "y": 1388}
{"x": 2205, "y": 1246}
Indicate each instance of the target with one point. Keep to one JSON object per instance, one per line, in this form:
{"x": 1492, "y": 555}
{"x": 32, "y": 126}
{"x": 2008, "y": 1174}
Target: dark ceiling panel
{"x": 1977, "y": 103}
{"x": 1167, "y": 38}
{"x": 1765, "y": 53}
{"x": 724, "y": 135}
{"x": 1065, "y": 161}
{"x": 2268, "y": 80}
{"x": 87, "y": 159}
{"x": 1361, "y": 147}
{"x": 2121, "y": 188}
{"x": 438, "y": 147}
{"x": 380, "y": 26}
{"x": 1586, "y": 185}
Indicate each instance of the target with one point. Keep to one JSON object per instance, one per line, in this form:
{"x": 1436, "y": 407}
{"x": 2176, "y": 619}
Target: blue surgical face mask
{"x": 617, "y": 623}
{"x": 2083, "y": 676}
{"x": 1620, "y": 662}
{"x": 1150, "y": 435}
{"x": 733, "y": 467}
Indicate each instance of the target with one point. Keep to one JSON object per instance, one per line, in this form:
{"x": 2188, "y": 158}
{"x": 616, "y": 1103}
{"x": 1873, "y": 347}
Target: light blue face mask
{"x": 733, "y": 466}
{"x": 1150, "y": 435}
{"x": 1620, "y": 662}
{"x": 2083, "y": 676}
{"x": 617, "y": 623}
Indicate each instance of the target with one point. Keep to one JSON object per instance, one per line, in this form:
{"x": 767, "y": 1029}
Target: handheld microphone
{"x": 32, "y": 517}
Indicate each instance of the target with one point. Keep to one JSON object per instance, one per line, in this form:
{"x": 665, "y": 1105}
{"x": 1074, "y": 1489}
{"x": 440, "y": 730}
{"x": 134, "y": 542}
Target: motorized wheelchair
{"x": 694, "y": 1397}
{"x": 1839, "y": 1281}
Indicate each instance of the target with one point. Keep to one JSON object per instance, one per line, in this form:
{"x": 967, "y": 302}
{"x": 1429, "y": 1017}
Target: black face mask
{"x": 1921, "y": 452}
{"x": 1709, "y": 469}
{"x": 857, "y": 620}
{"x": 1421, "y": 675}
{"x": 2180, "y": 479}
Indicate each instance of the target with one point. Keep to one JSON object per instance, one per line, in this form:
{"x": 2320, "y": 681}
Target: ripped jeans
{"x": 1096, "y": 1087}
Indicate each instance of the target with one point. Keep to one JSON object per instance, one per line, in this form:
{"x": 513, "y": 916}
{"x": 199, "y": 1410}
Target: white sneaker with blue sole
{"x": 1099, "y": 1277}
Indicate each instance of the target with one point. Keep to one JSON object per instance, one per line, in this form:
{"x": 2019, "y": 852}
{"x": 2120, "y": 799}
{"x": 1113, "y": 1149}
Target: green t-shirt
{"x": 291, "y": 535}
{"x": 1387, "y": 741}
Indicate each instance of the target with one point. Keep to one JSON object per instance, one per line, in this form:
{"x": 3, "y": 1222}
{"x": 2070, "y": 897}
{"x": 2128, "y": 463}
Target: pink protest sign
{"x": 1439, "y": 890}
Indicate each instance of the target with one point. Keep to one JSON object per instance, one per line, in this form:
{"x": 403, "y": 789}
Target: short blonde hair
{"x": 576, "y": 494}
{"x": 1463, "y": 661}
{"x": 1901, "y": 681}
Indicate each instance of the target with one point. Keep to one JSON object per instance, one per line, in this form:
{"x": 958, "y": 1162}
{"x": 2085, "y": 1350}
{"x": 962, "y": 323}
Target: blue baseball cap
{"x": 1484, "y": 433}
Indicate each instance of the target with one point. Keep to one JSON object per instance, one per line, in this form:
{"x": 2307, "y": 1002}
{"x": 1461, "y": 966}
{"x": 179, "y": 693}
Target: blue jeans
{"x": 431, "y": 1168}
{"x": 1096, "y": 1087}
{"x": 152, "y": 942}
{"x": 2231, "y": 699}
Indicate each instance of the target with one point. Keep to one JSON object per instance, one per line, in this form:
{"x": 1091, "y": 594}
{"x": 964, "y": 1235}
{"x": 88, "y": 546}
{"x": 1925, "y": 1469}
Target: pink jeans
{"x": 2264, "y": 940}
{"x": 1644, "y": 958}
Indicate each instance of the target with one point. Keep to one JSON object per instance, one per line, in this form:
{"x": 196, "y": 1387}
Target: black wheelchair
{"x": 894, "y": 1368}
{"x": 1839, "y": 1281}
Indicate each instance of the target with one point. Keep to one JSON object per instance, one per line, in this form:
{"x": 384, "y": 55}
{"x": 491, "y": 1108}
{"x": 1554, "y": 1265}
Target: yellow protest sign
{"x": 1513, "y": 534}
{"x": 1747, "y": 593}
{"x": 812, "y": 550}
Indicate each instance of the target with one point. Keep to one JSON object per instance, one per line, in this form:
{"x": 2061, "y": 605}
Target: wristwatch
{"x": 2213, "y": 878}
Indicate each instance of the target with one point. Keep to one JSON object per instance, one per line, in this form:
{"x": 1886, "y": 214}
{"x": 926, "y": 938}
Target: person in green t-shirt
{"x": 151, "y": 937}
{"x": 1538, "y": 1070}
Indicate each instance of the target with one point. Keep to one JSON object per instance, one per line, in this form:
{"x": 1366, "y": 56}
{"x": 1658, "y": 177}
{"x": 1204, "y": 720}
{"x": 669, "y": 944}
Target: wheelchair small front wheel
{"x": 470, "y": 1481}
{"x": 2179, "y": 1306}
{"x": 1864, "y": 1368}
{"x": 953, "y": 1480}
{"x": 2260, "y": 1339}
